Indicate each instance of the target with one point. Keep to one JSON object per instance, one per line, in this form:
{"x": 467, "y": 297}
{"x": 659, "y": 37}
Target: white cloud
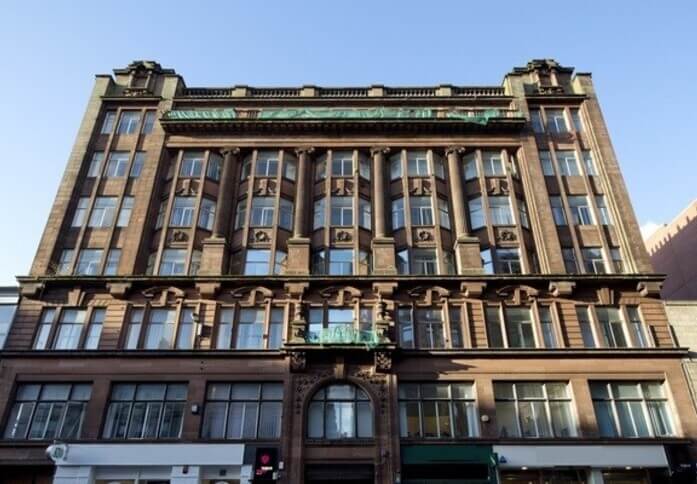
{"x": 648, "y": 229}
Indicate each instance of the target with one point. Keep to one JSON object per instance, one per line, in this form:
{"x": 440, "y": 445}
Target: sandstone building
{"x": 366, "y": 284}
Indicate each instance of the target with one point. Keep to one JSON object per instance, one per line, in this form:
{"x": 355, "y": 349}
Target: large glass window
{"x": 470, "y": 166}
{"x": 589, "y": 163}
{"x": 243, "y": 411}
{"x": 103, "y": 212}
{"x": 128, "y": 124}
{"x": 250, "y": 329}
{"x": 500, "y": 211}
{"x": 424, "y": 262}
{"x": 396, "y": 166}
{"x": 593, "y": 260}
{"x": 636, "y": 327}
{"x": 632, "y": 409}
{"x": 80, "y": 212}
{"x": 603, "y": 210}
{"x": 257, "y": 262}
{"x": 444, "y": 213}
{"x": 183, "y": 212}
{"x": 285, "y": 214}
{"x": 429, "y": 324}
{"x": 160, "y": 329}
{"x": 586, "y": 326}
{"x": 342, "y": 163}
{"x": 546, "y": 161}
{"x": 364, "y": 215}
{"x": 88, "y": 262}
{"x": 406, "y": 327}
{"x": 570, "y": 264}
{"x": 556, "y": 121}
{"x": 417, "y": 163}
{"x": 109, "y": 121}
{"x": 519, "y": 328}
{"x": 611, "y": 326}
{"x": 567, "y": 163}
{"x": 421, "y": 211}
{"x": 267, "y": 164}
{"x": 192, "y": 164}
{"x": 125, "y": 212}
{"x": 340, "y": 411}
{"x": 70, "y": 329}
{"x": 148, "y": 122}
{"x": 476, "y": 213}
{"x": 173, "y": 262}
{"x": 47, "y": 411}
{"x": 549, "y": 335}
{"x": 206, "y": 217}
{"x": 508, "y": 261}
{"x": 117, "y": 166}
{"x": 437, "y": 410}
{"x": 493, "y": 163}
{"x": 318, "y": 214}
{"x": 534, "y": 410}
{"x": 581, "y": 210}
{"x": 342, "y": 211}
{"x": 340, "y": 262}
{"x": 44, "y": 330}
{"x": 137, "y": 165}
{"x": 536, "y": 121}
{"x": 145, "y": 411}
{"x": 558, "y": 210}
{"x": 398, "y": 213}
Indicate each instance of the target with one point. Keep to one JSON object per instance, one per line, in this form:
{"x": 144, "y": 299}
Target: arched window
{"x": 340, "y": 411}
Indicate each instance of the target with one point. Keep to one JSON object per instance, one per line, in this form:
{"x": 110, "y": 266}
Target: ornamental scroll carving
{"x": 265, "y": 187}
{"x": 303, "y": 384}
{"x": 517, "y": 295}
{"x": 378, "y": 384}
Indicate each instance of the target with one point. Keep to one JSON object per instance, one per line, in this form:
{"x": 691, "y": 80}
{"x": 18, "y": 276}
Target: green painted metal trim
{"x": 198, "y": 114}
{"x": 439, "y": 454}
{"x": 346, "y": 113}
{"x": 344, "y": 334}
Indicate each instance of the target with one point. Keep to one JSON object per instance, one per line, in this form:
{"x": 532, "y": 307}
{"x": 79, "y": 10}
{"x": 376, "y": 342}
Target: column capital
{"x": 232, "y": 150}
{"x": 379, "y": 150}
{"x": 304, "y": 150}
{"x": 454, "y": 149}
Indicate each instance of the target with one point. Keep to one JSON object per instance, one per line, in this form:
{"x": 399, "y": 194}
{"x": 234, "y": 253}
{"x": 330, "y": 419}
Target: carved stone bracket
{"x": 254, "y": 294}
{"x": 424, "y": 235}
{"x": 383, "y": 361}
{"x": 379, "y": 149}
{"x": 340, "y": 295}
{"x": 427, "y": 296}
{"x": 343, "y": 188}
{"x": 261, "y": 236}
{"x": 473, "y": 289}
{"x": 164, "y": 294}
{"x": 179, "y": 236}
{"x": 649, "y": 288}
{"x": 606, "y": 296}
{"x": 31, "y": 289}
{"x": 420, "y": 187}
{"x": 497, "y": 187}
{"x": 517, "y": 295}
{"x": 561, "y": 288}
{"x": 119, "y": 290}
{"x": 208, "y": 290}
{"x": 265, "y": 187}
{"x": 454, "y": 149}
{"x": 298, "y": 361}
{"x": 307, "y": 150}
{"x": 233, "y": 150}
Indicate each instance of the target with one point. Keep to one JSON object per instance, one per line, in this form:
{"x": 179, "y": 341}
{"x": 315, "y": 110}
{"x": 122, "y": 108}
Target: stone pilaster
{"x": 382, "y": 245}
{"x": 299, "y": 244}
{"x": 466, "y": 246}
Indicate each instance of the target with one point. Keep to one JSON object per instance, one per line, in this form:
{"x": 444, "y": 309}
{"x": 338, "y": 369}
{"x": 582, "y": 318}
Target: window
{"x": 342, "y": 211}
{"x": 150, "y": 264}
{"x": 88, "y": 262}
{"x": 403, "y": 261}
{"x": 570, "y": 264}
{"x": 533, "y": 410}
{"x": 493, "y": 327}
{"x": 321, "y": 168}
{"x": 243, "y": 411}
{"x": 493, "y": 163}
{"x": 276, "y": 327}
{"x": 340, "y": 411}
{"x": 161, "y": 214}
{"x": 80, "y": 212}
{"x": 112, "y": 262}
{"x": 7, "y": 313}
{"x": 342, "y": 163}
{"x": 128, "y": 124}
{"x": 160, "y": 329}
{"x": 558, "y": 211}
{"x": 173, "y": 262}
{"x": 183, "y": 212}
{"x": 448, "y": 266}
{"x": 546, "y": 162}
{"x": 185, "y": 330}
{"x": 603, "y": 211}
{"x": 319, "y": 262}
{"x": 500, "y": 211}
{"x": 69, "y": 329}
{"x": 396, "y": 166}
{"x": 437, "y": 410}
{"x": 417, "y": 163}
{"x": 567, "y": 163}
{"x": 456, "y": 336}
{"x": 593, "y": 260}
{"x": 117, "y": 166}
{"x": 206, "y": 217}
{"x": 580, "y": 210}
{"x": 589, "y": 163}
{"x": 340, "y": 262}
{"x": 192, "y": 164}
{"x": 95, "y": 167}
{"x": 636, "y": 328}
{"x": 576, "y": 118}
{"x": 508, "y": 261}
{"x": 318, "y": 214}
{"x": 48, "y": 411}
{"x": 487, "y": 261}
{"x": 584, "y": 322}
{"x": 429, "y": 324}
{"x": 250, "y": 329}
{"x": 443, "y": 213}
{"x": 424, "y": 262}
{"x": 611, "y": 327}
{"x": 135, "y": 324}
{"x": 290, "y": 167}
{"x": 215, "y": 167}
{"x": 438, "y": 166}
{"x": 617, "y": 262}
{"x": 332, "y": 318}
{"x": 398, "y": 221}
{"x": 549, "y": 336}
{"x": 148, "y": 122}
{"x": 240, "y": 214}
{"x": 108, "y": 124}
{"x": 145, "y": 411}
{"x": 44, "y": 330}
{"x": 631, "y": 409}
{"x": 125, "y": 212}
{"x": 285, "y": 214}
{"x": 94, "y": 330}
{"x": 470, "y": 166}
{"x": 246, "y": 168}
{"x": 267, "y": 164}
{"x": 523, "y": 214}
{"x": 519, "y": 327}
{"x": 257, "y": 262}
{"x": 406, "y": 327}
{"x": 137, "y": 165}
{"x": 536, "y": 121}
{"x": 103, "y": 212}
{"x": 364, "y": 215}
{"x": 421, "y": 211}
{"x": 195, "y": 262}
{"x": 556, "y": 121}
{"x": 476, "y": 213}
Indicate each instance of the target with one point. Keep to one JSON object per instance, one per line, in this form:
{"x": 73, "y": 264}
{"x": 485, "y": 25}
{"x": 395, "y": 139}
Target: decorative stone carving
{"x": 383, "y": 361}
{"x": 343, "y": 236}
{"x": 517, "y": 295}
{"x": 427, "y": 296}
{"x": 378, "y": 383}
{"x": 119, "y": 290}
{"x": 208, "y": 290}
{"x": 298, "y": 361}
{"x": 298, "y": 326}
{"x": 179, "y": 236}
{"x": 254, "y": 295}
{"x": 561, "y": 288}
{"x": 454, "y": 149}
{"x": 76, "y": 297}
{"x": 473, "y": 289}
{"x": 304, "y": 150}
{"x": 424, "y": 235}
{"x": 261, "y": 236}
{"x": 343, "y": 188}
{"x": 383, "y": 323}
{"x": 189, "y": 188}
{"x": 164, "y": 294}
{"x": 340, "y": 295}
{"x": 649, "y": 288}
{"x": 497, "y": 186}
{"x": 506, "y": 235}
{"x": 265, "y": 187}
{"x": 303, "y": 384}
{"x": 420, "y": 187}
{"x": 379, "y": 149}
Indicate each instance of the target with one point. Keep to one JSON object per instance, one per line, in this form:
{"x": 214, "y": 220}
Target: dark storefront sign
{"x": 451, "y": 464}
{"x": 342, "y": 473}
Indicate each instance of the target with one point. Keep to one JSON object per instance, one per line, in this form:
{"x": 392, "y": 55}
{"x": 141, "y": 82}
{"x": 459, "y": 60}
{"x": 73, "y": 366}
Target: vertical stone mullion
{"x": 299, "y": 257}
{"x": 383, "y": 245}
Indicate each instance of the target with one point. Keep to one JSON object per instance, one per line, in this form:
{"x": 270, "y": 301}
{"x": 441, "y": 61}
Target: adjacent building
{"x": 673, "y": 251}
{"x": 440, "y": 284}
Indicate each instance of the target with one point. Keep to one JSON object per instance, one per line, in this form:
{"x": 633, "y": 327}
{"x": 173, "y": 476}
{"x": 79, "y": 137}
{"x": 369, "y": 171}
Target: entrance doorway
{"x": 339, "y": 473}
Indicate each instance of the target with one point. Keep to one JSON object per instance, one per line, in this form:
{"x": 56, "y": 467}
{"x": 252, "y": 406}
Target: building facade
{"x": 370, "y": 284}
{"x": 672, "y": 251}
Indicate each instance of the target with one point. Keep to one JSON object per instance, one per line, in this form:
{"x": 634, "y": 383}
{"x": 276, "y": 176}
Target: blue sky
{"x": 643, "y": 59}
